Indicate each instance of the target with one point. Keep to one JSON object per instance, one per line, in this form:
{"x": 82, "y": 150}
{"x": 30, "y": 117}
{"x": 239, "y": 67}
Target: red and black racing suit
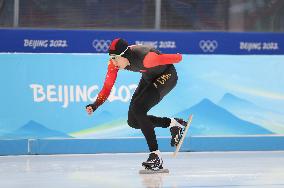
{"x": 159, "y": 77}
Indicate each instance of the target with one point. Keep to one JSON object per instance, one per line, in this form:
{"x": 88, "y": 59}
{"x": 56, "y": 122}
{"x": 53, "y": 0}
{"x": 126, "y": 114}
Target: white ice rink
{"x": 205, "y": 169}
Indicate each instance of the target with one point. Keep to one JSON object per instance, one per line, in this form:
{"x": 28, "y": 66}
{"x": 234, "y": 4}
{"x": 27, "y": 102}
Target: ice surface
{"x": 202, "y": 169}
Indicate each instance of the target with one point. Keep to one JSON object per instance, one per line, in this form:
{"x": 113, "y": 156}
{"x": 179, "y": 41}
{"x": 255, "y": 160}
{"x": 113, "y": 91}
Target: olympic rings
{"x": 101, "y": 45}
{"x": 208, "y": 45}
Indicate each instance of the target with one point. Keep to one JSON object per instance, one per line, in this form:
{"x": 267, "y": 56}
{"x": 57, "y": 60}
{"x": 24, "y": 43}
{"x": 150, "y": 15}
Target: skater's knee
{"x": 135, "y": 114}
{"x": 133, "y": 124}
{"x": 132, "y": 121}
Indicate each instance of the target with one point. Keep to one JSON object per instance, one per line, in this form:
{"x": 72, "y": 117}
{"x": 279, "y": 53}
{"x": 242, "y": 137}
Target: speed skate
{"x": 154, "y": 164}
{"x": 150, "y": 170}
{"x": 183, "y": 136}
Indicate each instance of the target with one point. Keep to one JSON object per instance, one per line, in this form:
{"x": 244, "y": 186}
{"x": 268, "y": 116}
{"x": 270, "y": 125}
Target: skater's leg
{"x": 145, "y": 97}
{"x": 166, "y": 122}
{"x": 163, "y": 122}
{"x": 164, "y": 84}
{"x": 141, "y": 103}
{"x": 138, "y": 111}
{"x": 132, "y": 122}
{"x": 138, "y": 118}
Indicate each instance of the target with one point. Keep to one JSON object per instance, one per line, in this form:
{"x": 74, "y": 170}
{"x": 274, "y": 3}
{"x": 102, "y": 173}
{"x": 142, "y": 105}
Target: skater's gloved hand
{"x": 90, "y": 108}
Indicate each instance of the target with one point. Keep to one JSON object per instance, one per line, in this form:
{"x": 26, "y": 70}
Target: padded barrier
{"x": 133, "y": 145}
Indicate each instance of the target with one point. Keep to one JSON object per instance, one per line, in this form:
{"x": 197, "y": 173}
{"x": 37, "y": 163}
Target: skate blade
{"x": 183, "y": 136}
{"x": 146, "y": 171}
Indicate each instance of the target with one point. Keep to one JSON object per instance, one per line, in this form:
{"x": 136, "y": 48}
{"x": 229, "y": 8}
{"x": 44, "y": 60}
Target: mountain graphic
{"x": 248, "y": 111}
{"x": 34, "y": 129}
{"x": 231, "y": 101}
{"x": 211, "y": 119}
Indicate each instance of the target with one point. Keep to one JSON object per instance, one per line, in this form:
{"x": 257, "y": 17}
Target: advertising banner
{"x": 44, "y": 96}
{"x": 92, "y": 41}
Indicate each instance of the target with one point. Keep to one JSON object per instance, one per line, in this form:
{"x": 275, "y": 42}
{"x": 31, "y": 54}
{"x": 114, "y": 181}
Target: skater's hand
{"x": 90, "y": 109}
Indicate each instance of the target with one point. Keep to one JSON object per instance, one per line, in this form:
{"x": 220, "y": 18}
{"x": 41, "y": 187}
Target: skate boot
{"x": 154, "y": 161}
{"x": 177, "y": 127}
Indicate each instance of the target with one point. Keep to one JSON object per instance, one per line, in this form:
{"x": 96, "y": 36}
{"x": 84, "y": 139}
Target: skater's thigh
{"x": 166, "y": 81}
{"x": 132, "y": 120}
{"x": 147, "y": 99}
{"x": 141, "y": 86}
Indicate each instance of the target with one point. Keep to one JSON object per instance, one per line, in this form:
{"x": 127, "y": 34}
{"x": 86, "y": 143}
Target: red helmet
{"x": 118, "y": 47}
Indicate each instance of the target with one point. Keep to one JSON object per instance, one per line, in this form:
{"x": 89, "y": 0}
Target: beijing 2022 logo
{"x": 208, "y": 45}
{"x": 101, "y": 45}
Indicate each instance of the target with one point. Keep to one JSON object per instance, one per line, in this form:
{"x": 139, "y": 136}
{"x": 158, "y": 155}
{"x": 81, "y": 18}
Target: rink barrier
{"x": 135, "y": 145}
{"x": 14, "y": 147}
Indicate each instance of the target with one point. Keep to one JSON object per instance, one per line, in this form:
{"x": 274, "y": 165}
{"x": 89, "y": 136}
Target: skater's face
{"x": 120, "y": 62}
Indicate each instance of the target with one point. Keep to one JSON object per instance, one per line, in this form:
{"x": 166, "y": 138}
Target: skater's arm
{"x": 153, "y": 59}
{"x": 108, "y": 84}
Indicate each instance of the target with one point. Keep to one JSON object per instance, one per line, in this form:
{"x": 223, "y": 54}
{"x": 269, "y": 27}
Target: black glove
{"x": 92, "y": 105}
